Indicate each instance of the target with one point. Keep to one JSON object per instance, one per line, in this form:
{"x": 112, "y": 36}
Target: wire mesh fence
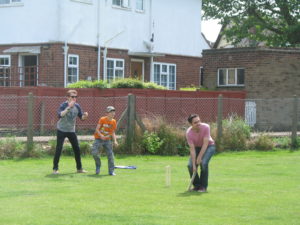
{"x": 261, "y": 114}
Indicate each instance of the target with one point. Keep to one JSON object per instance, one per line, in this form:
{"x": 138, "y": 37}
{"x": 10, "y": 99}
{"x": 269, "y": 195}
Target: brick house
{"x": 264, "y": 73}
{"x": 55, "y": 43}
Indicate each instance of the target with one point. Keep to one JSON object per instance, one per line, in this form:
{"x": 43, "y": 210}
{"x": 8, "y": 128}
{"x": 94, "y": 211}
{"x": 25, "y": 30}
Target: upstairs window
{"x": 73, "y": 69}
{"x": 231, "y": 77}
{"x": 139, "y": 5}
{"x": 121, "y": 3}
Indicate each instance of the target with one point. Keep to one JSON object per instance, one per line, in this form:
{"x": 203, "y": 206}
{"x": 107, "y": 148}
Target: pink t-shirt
{"x": 196, "y": 139}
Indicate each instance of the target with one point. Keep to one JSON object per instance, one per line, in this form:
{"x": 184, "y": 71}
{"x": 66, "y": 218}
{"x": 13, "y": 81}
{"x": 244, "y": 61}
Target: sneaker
{"x": 202, "y": 190}
{"x": 112, "y": 174}
{"x": 97, "y": 171}
{"x": 81, "y": 171}
{"x": 55, "y": 172}
{"x": 195, "y": 189}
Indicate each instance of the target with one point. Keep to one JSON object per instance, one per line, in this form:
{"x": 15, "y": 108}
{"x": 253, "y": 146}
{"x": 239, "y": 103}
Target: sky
{"x": 211, "y": 29}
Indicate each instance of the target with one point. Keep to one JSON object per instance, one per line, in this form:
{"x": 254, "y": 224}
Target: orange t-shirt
{"x": 107, "y": 127}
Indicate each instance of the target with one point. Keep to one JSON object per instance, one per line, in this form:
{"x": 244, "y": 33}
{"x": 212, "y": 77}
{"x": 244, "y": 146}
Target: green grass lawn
{"x": 245, "y": 188}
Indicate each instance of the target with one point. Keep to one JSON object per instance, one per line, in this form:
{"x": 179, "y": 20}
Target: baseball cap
{"x": 110, "y": 108}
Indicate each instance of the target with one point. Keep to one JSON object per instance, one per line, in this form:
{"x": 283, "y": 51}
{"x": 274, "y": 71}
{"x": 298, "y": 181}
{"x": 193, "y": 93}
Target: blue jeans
{"x": 107, "y": 144}
{"x": 202, "y": 181}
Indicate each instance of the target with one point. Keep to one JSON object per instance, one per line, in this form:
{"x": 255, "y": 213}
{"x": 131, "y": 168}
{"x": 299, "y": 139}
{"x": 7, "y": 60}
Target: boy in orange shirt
{"x": 104, "y": 134}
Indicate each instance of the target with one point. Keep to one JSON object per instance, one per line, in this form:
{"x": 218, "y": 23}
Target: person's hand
{"x": 199, "y": 161}
{"x": 71, "y": 104}
{"x": 116, "y": 143}
{"x": 85, "y": 115}
{"x": 194, "y": 168}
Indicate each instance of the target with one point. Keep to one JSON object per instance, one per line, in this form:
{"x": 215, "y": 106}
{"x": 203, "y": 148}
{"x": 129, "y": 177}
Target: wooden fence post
{"x": 130, "y": 130}
{"x": 294, "y": 122}
{"x": 30, "y": 123}
{"x": 219, "y": 122}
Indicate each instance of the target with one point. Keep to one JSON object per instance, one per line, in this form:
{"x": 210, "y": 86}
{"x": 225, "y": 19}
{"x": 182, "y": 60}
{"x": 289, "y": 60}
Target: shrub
{"x": 236, "y": 133}
{"x": 152, "y": 142}
{"x": 151, "y": 85}
{"x": 89, "y": 84}
{"x": 127, "y": 83}
{"x": 261, "y": 142}
{"x": 10, "y": 148}
{"x": 85, "y": 148}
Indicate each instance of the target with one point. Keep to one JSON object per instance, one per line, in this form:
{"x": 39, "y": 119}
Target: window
{"x": 73, "y": 69}
{"x": 10, "y": 2}
{"x": 121, "y": 3}
{"x": 231, "y": 77}
{"x": 139, "y": 5}
{"x": 4, "y": 70}
{"x": 165, "y": 75}
{"x": 115, "y": 69}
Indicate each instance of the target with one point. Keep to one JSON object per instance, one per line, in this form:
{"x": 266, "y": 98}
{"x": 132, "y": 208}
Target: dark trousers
{"x": 59, "y": 145}
{"x": 202, "y": 181}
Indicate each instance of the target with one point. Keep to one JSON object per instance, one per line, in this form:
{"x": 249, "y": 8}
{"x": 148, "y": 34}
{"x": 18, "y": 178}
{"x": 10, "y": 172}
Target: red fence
{"x": 175, "y": 106}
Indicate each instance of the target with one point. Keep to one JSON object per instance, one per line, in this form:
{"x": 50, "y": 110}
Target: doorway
{"x": 28, "y": 70}
{"x": 137, "y": 69}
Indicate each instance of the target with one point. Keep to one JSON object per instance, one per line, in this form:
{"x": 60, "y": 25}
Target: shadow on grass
{"x": 190, "y": 193}
{"x": 60, "y": 175}
{"x": 97, "y": 176}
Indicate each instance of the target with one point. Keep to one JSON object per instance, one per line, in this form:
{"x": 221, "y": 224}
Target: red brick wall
{"x": 51, "y": 64}
{"x": 269, "y": 73}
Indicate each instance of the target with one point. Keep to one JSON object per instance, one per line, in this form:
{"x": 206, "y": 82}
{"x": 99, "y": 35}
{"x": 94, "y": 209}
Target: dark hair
{"x": 191, "y": 117}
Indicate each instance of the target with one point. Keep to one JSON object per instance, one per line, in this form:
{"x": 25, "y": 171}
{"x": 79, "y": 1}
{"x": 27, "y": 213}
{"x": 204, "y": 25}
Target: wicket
{"x": 168, "y": 176}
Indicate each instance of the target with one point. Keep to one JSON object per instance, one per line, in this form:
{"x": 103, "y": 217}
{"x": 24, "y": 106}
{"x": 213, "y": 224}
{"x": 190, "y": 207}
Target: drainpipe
{"x": 152, "y": 41}
{"x": 98, "y": 43}
{"x": 65, "y": 48}
{"x": 104, "y": 63}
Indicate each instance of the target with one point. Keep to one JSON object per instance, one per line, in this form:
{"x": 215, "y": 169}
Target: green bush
{"x": 89, "y": 84}
{"x": 261, "y": 142}
{"x": 151, "y": 85}
{"x": 236, "y": 133}
{"x": 85, "y": 148}
{"x": 152, "y": 142}
{"x": 127, "y": 83}
{"x": 11, "y": 148}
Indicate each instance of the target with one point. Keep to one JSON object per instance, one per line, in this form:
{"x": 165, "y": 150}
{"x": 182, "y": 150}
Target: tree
{"x": 275, "y": 22}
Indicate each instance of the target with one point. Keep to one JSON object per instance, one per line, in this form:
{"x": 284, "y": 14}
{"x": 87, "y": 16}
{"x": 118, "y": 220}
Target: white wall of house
{"x": 177, "y": 24}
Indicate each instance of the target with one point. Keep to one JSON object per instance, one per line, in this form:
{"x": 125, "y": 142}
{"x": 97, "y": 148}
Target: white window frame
{"x": 73, "y": 66}
{"x": 165, "y": 73}
{"x": 115, "y": 68}
{"x": 5, "y": 66}
{"x": 90, "y": 2}
{"x": 226, "y": 78}
{"x": 143, "y": 6}
{"x": 124, "y": 4}
{"x": 12, "y": 3}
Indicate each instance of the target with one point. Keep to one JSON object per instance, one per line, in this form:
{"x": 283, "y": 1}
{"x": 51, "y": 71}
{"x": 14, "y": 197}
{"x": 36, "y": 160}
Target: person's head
{"x": 72, "y": 95}
{"x": 111, "y": 111}
{"x": 194, "y": 120}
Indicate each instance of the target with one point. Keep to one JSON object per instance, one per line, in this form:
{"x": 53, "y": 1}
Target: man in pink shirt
{"x": 202, "y": 148}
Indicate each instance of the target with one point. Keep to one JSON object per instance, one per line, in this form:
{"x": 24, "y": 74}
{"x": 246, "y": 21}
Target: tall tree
{"x": 275, "y": 22}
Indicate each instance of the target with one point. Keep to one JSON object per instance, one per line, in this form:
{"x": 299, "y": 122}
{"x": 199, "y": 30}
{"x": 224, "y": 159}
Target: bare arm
{"x": 193, "y": 156}
{"x": 98, "y": 131}
{"x": 203, "y": 150}
{"x": 115, "y": 139}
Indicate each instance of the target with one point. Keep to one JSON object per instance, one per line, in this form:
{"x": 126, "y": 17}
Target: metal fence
{"x": 261, "y": 114}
